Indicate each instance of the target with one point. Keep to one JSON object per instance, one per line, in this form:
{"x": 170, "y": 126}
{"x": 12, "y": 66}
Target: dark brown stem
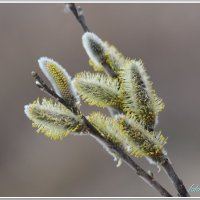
{"x": 174, "y": 177}
{"x": 94, "y": 132}
{"x": 78, "y": 13}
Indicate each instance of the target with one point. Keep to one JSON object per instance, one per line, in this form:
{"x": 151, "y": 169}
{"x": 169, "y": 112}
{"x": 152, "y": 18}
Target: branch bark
{"x": 175, "y": 179}
{"x": 78, "y": 13}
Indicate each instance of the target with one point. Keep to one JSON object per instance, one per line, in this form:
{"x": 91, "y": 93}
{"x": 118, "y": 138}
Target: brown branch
{"x": 78, "y": 13}
{"x": 175, "y": 179}
{"x": 94, "y": 132}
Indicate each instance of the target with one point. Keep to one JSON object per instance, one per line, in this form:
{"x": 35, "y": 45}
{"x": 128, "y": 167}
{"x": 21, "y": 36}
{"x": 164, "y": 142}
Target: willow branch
{"x": 94, "y": 132}
{"x": 78, "y": 13}
{"x": 174, "y": 177}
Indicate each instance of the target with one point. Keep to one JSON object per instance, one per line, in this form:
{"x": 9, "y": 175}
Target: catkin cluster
{"x": 117, "y": 83}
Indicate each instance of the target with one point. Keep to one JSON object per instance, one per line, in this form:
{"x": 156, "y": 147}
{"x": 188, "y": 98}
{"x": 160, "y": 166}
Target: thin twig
{"x": 44, "y": 88}
{"x": 77, "y": 11}
{"x": 93, "y": 131}
{"x": 174, "y": 177}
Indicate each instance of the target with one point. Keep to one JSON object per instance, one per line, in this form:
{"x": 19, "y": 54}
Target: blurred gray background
{"x": 165, "y": 36}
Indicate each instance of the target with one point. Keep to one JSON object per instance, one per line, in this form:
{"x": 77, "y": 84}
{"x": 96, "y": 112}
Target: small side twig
{"x": 93, "y": 131}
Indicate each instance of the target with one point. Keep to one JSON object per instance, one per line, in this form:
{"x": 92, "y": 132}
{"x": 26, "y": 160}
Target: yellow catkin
{"x": 53, "y": 119}
{"x": 150, "y": 143}
{"x": 98, "y": 89}
{"x": 139, "y": 99}
{"x": 103, "y": 56}
{"x": 114, "y": 131}
{"x": 60, "y": 80}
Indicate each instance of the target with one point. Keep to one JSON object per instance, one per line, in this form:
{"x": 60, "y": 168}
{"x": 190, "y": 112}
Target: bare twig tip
{"x": 34, "y": 74}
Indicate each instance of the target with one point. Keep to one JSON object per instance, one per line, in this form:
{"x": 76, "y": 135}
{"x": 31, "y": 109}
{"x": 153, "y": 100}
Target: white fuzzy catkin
{"x": 59, "y": 78}
{"x": 53, "y": 119}
{"x": 94, "y": 47}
